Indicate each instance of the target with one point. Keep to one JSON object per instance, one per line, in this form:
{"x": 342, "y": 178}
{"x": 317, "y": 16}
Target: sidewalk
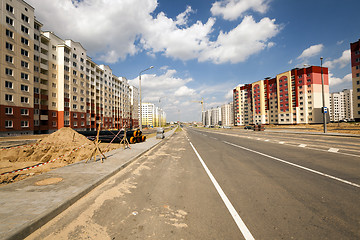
{"x": 313, "y": 133}
{"x": 25, "y": 206}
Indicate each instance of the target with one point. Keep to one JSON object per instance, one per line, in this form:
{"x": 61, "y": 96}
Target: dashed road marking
{"x": 302, "y": 145}
{"x": 296, "y": 165}
{"x": 333, "y": 150}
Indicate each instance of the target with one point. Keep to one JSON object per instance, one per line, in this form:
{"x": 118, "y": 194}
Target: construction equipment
{"x": 202, "y": 104}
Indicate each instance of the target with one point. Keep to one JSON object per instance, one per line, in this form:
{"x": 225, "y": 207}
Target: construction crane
{"x": 202, "y": 104}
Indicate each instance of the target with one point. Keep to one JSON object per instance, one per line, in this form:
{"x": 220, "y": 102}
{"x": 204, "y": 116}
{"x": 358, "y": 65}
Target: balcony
{"x": 44, "y": 117}
{"x": 44, "y": 66}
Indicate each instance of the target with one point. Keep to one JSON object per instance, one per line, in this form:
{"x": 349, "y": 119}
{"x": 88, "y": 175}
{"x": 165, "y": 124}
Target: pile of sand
{"x": 57, "y": 144}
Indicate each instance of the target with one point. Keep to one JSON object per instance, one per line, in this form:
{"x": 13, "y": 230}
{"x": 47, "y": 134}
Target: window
{"x": 36, "y": 58}
{"x": 75, "y": 124}
{"x": 9, "y": 46}
{"x": 25, "y": 76}
{"x": 53, "y": 95}
{"x": 36, "y": 37}
{"x": 8, "y": 97}
{"x": 54, "y": 124}
{"x": 24, "y": 64}
{"x": 24, "y": 88}
{"x": 24, "y": 124}
{"x": 25, "y": 18}
{"x": 36, "y": 79}
{"x": 8, "y": 124}
{"x": 9, "y": 33}
{"x": 24, "y": 29}
{"x": 9, "y": 59}
{"x": 9, "y": 21}
{"x": 36, "y": 48}
{"x": 9, "y": 111}
{"x": 24, "y": 53}
{"x": 36, "y": 111}
{"x": 54, "y": 85}
{"x": 74, "y": 106}
{"x": 9, "y": 8}
{"x": 53, "y": 104}
{"x": 36, "y": 69}
{"x": 66, "y": 123}
{"x": 9, "y": 84}
{"x": 74, "y": 115}
{"x": 24, "y": 100}
{"x": 36, "y": 90}
{"x": 8, "y": 71}
{"x": 74, "y": 56}
{"x": 54, "y": 114}
{"x": 25, "y": 41}
{"x": 36, "y": 123}
{"x": 24, "y": 112}
{"x": 75, "y": 98}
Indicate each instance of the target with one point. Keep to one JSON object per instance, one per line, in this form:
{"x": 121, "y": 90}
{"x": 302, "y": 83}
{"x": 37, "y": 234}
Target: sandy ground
{"x": 65, "y": 145}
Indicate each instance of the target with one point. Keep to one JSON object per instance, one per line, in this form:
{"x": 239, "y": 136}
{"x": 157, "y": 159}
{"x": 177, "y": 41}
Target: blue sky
{"x": 203, "y": 49}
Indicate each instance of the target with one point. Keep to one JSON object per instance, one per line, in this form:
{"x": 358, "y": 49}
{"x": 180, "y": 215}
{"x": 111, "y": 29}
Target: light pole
{"x": 140, "y": 95}
{"x": 324, "y": 110}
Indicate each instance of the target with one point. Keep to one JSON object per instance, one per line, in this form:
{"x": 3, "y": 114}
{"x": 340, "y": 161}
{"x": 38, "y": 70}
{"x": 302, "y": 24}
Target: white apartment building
{"x": 227, "y": 114}
{"x": 341, "y": 106}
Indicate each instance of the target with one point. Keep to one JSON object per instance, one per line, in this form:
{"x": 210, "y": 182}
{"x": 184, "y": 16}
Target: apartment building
{"x": 291, "y": 97}
{"x": 152, "y": 115}
{"x": 134, "y": 106}
{"x": 48, "y": 83}
{"x": 341, "y": 106}
{"x": 355, "y": 68}
{"x": 17, "y": 66}
{"x": 227, "y": 114}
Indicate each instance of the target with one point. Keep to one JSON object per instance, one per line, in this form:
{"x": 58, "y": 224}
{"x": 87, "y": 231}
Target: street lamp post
{"x": 323, "y": 96}
{"x": 140, "y": 95}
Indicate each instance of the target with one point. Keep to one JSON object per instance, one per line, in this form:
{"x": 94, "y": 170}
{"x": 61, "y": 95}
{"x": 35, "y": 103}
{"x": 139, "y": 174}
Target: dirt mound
{"x": 61, "y": 145}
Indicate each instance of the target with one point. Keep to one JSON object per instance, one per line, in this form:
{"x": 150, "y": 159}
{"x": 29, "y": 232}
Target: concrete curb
{"x": 25, "y": 231}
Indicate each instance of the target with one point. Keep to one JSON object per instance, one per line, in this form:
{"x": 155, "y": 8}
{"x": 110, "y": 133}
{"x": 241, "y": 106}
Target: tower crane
{"x": 202, "y": 104}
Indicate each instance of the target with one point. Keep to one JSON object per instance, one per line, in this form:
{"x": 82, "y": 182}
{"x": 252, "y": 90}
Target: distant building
{"x": 355, "y": 68}
{"x": 291, "y": 97}
{"x": 341, "y": 106}
{"x": 227, "y": 114}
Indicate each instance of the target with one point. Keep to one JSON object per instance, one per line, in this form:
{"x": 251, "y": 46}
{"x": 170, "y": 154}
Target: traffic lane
{"x": 279, "y": 201}
{"x": 350, "y": 142}
{"x": 165, "y": 194}
{"x": 335, "y": 164}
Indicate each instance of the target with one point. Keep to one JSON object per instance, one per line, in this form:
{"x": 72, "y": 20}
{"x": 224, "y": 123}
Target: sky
{"x": 202, "y": 49}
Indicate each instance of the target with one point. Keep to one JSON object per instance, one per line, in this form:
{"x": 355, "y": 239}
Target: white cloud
{"x": 113, "y": 30}
{"x": 341, "y": 62}
{"x": 311, "y": 51}
{"x": 337, "y": 81}
{"x": 234, "y": 9}
{"x": 229, "y": 95}
{"x": 248, "y": 38}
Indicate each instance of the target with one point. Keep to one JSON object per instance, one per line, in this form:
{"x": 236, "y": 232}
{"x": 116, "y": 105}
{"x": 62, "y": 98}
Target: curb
{"x": 317, "y": 133}
{"x": 42, "y": 220}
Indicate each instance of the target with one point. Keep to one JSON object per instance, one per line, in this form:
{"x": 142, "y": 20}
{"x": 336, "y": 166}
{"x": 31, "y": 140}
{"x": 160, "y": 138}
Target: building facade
{"x": 341, "y": 106}
{"x": 48, "y": 83}
{"x": 227, "y": 114}
{"x": 152, "y": 115}
{"x": 292, "y": 97}
{"x": 355, "y": 68}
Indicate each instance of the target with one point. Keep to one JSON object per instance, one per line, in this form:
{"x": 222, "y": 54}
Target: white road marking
{"x": 281, "y": 142}
{"x": 266, "y": 140}
{"x": 296, "y": 165}
{"x": 302, "y": 145}
{"x": 333, "y": 150}
{"x": 239, "y": 222}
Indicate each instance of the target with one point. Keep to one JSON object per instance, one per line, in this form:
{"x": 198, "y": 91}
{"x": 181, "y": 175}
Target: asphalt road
{"x": 224, "y": 185}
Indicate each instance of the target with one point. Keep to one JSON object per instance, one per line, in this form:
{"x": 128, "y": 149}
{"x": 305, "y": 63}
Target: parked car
{"x": 248, "y": 127}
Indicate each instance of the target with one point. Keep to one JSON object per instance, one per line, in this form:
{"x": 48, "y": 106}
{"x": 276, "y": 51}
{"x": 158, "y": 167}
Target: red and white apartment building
{"x": 292, "y": 97}
{"x": 355, "y": 68}
{"x": 47, "y": 83}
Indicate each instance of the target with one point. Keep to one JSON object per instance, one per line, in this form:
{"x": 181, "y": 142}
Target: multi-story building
{"x": 227, "y": 114}
{"x": 292, "y": 97}
{"x": 341, "y": 105}
{"x": 47, "y": 83}
{"x": 134, "y": 106}
{"x": 151, "y": 115}
{"x": 355, "y": 68}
